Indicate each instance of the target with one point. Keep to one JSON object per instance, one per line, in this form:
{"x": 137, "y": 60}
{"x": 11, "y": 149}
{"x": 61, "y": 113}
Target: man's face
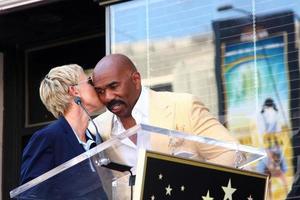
{"x": 118, "y": 90}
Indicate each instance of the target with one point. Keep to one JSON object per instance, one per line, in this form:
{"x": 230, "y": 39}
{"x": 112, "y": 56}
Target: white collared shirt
{"x": 140, "y": 113}
{"x": 86, "y": 145}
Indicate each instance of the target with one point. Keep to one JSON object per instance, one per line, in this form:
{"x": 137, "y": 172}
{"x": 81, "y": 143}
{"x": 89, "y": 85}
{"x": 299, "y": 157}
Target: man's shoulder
{"x": 104, "y": 117}
{"x": 173, "y": 96}
{"x": 103, "y": 123}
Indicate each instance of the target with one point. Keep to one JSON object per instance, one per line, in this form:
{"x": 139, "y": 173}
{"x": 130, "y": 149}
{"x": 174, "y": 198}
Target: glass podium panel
{"x": 185, "y": 145}
{"x": 104, "y": 167}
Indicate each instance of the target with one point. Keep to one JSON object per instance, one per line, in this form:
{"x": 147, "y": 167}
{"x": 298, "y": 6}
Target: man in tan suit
{"x": 118, "y": 84}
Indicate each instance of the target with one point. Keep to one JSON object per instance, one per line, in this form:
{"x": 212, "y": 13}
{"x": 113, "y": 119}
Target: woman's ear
{"x": 73, "y": 90}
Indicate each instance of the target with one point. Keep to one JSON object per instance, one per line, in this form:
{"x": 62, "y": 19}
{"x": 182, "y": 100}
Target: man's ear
{"x": 136, "y": 78}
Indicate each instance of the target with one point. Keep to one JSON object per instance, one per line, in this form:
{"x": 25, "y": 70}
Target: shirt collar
{"x": 141, "y": 105}
{"x": 89, "y": 140}
{"x": 139, "y": 113}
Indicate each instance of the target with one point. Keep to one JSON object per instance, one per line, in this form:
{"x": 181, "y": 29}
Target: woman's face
{"x": 88, "y": 95}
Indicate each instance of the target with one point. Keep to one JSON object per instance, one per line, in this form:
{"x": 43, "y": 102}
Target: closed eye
{"x": 113, "y": 85}
{"x": 99, "y": 90}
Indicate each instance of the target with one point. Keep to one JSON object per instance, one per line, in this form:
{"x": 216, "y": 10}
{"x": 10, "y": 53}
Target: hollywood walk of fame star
{"x": 168, "y": 190}
{"x": 182, "y": 188}
{"x": 228, "y": 191}
{"x": 160, "y": 176}
{"x": 207, "y": 197}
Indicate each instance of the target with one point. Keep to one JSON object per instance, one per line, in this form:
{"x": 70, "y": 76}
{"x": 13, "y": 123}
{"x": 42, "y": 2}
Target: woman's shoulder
{"x": 50, "y": 131}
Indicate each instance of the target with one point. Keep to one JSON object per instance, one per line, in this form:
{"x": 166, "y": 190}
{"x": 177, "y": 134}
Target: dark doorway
{"x": 33, "y": 40}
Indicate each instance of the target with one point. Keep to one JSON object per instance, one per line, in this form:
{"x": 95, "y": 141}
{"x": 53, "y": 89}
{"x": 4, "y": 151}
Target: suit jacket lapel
{"x": 70, "y": 137}
{"x": 106, "y": 125}
{"x": 161, "y": 111}
{"x": 161, "y": 114}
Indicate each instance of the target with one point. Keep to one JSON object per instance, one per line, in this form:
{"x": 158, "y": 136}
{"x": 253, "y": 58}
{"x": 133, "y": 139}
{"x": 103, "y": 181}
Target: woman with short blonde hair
{"x": 54, "y": 88}
{"x": 68, "y": 136}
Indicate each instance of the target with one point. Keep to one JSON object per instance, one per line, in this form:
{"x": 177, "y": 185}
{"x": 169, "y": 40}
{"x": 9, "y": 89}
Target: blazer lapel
{"x": 70, "y": 137}
{"x": 161, "y": 114}
{"x": 161, "y": 111}
{"x": 105, "y": 125}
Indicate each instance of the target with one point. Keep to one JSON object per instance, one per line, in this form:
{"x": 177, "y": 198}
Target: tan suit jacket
{"x": 182, "y": 112}
{"x": 175, "y": 111}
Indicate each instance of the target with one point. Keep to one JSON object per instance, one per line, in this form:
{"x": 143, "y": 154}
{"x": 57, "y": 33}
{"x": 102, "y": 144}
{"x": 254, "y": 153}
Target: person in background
{"x": 118, "y": 85}
{"x": 269, "y": 126}
{"x": 68, "y": 136}
{"x": 268, "y": 121}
